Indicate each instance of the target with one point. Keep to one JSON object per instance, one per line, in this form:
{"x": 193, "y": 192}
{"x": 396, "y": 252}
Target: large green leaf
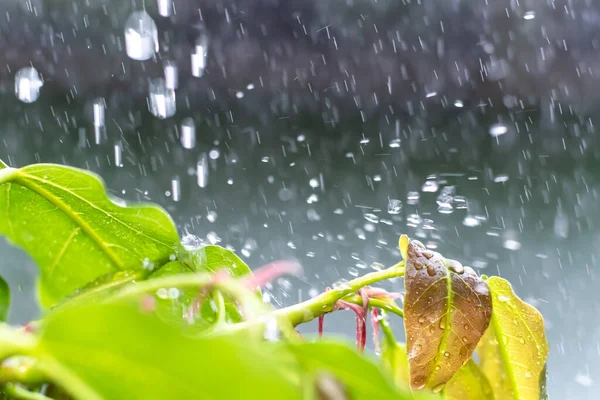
{"x": 64, "y": 219}
{"x": 514, "y": 349}
{"x": 4, "y": 300}
{"x": 468, "y": 383}
{"x": 361, "y": 377}
{"x": 395, "y": 359}
{"x": 211, "y": 258}
{"x": 117, "y": 351}
{"x": 447, "y": 308}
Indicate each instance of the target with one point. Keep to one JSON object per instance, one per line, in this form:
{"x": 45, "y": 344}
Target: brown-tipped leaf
{"x": 514, "y": 349}
{"x": 447, "y": 308}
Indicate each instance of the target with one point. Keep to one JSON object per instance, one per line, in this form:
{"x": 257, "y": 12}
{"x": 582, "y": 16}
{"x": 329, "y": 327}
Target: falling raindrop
{"x": 99, "y": 106}
{"x": 445, "y": 200}
{"x": 198, "y": 57}
{"x": 413, "y": 198}
{"x": 498, "y": 130}
{"x": 141, "y": 36}
{"x": 430, "y": 186}
{"x": 118, "y": 154}
{"x": 165, "y": 8}
{"x": 202, "y": 170}
{"x": 27, "y": 84}
{"x": 171, "y": 76}
{"x": 214, "y": 154}
{"x": 470, "y": 221}
{"x": 162, "y": 99}
{"x": 188, "y": 133}
{"x": 176, "y": 188}
{"x": 394, "y": 206}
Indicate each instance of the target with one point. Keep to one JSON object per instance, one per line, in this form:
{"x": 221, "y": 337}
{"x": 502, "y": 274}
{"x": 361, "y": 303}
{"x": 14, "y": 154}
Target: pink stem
{"x": 375, "y": 323}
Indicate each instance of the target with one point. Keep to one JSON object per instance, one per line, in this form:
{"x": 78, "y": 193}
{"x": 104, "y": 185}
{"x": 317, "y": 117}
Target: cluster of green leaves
{"x": 132, "y": 311}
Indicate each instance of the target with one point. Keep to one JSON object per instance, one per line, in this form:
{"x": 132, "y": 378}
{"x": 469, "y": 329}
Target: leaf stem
{"x": 324, "y": 303}
{"x": 377, "y": 303}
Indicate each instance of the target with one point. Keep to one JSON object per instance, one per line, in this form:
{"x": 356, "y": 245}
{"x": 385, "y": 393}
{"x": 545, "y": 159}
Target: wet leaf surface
{"x": 62, "y": 215}
{"x": 447, "y": 309}
{"x": 468, "y": 383}
{"x": 514, "y": 349}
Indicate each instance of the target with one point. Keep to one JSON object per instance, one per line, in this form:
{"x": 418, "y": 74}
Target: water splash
{"x": 27, "y": 84}
{"x": 141, "y": 36}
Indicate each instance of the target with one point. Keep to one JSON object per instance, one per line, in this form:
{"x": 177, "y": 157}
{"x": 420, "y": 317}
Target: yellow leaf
{"x": 514, "y": 349}
{"x": 468, "y": 383}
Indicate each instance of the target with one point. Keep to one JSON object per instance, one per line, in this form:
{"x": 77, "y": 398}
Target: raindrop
{"x": 99, "y": 107}
{"x": 394, "y": 206}
{"x": 239, "y": 95}
{"x": 147, "y": 264}
{"x": 412, "y": 198}
{"x": 162, "y": 99}
{"x": 162, "y": 293}
{"x": 353, "y": 272}
{"x": 285, "y": 194}
{"x": 430, "y": 270}
{"x": 202, "y": 170}
{"x": 198, "y": 57}
{"x": 459, "y": 104}
{"x": 561, "y": 224}
{"x": 141, "y": 36}
{"x": 188, "y": 133}
{"x": 176, "y": 188}
{"x": 584, "y": 380}
{"x": 214, "y": 154}
{"x": 430, "y": 186}
{"x": 171, "y": 76}
{"x": 211, "y": 216}
{"x": 27, "y": 84}
{"x": 470, "y": 221}
{"x": 529, "y": 15}
{"x": 438, "y": 388}
{"x": 314, "y": 183}
{"x": 165, "y": 8}
{"x": 191, "y": 242}
{"x": 446, "y": 354}
{"x": 271, "y": 330}
{"x": 511, "y": 244}
{"x": 455, "y": 266}
{"x": 118, "y": 154}
{"x": 498, "y": 130}
{"x": 445, "y": 199}
{"x": 173, "y": 293}
{"x": 372, "y": 218}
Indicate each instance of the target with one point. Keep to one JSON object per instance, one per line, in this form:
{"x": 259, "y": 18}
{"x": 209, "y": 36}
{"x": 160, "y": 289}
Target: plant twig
{"x": 19, "y": 392}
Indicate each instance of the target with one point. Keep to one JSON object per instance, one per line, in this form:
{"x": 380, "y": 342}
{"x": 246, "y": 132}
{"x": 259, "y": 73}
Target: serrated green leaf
{"x": 468, "y": 383}
{"x": 360, "y": 376}
{"x": 64, "y": 219}
{"x": 514, "y": 349}
{"x": 446, "y": 311}
{"x": 4, "y": 300}
{"x": 117, "y": 351}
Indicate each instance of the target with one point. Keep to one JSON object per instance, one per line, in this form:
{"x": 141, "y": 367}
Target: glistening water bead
{"x": 141, "y": 36}
{"x": 165, "y": 8}
{"x": 27, "y": 84}
{"x": 198, "y": 57}
{"x": 202, "y": 170}
{"x": 171, "y": 75}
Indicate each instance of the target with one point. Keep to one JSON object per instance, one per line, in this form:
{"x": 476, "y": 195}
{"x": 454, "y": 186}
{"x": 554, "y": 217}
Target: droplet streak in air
{"x": 141, "y": 36}
{"x": 165, "y": 8}
{"x": 171, "y": 76}
{"x": 162, "y": 99}
{"x": 99, "y": 118}
{"x": 198, "y": 57}
{"x": 188, "y": 133}
{"x": 27, "y": 84}
{"x": 118, "y": 154}
{"x": 202, "y": 170}
{"x": 176, "y": 188}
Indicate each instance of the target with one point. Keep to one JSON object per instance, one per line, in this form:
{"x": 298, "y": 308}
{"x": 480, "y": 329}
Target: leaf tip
{"x": 403, "y": 245}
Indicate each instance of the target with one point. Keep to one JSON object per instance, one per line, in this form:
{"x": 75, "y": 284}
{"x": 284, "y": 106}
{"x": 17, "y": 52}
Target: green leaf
{"x": 468, "y": 383}
{"x": 212, "y": 258}
{"x": 395, "y": 359}
{"x": 64, "y": 219}
{"x": 4, "y": 300}
{"x": 118, "y": 351}
{"x": 514, "y": 349}
{"x": 360, "y": 376}
{"x": 447, "y": 308}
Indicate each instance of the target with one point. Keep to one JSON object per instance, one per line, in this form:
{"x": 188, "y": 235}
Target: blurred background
{"x": 319, "y": 131}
